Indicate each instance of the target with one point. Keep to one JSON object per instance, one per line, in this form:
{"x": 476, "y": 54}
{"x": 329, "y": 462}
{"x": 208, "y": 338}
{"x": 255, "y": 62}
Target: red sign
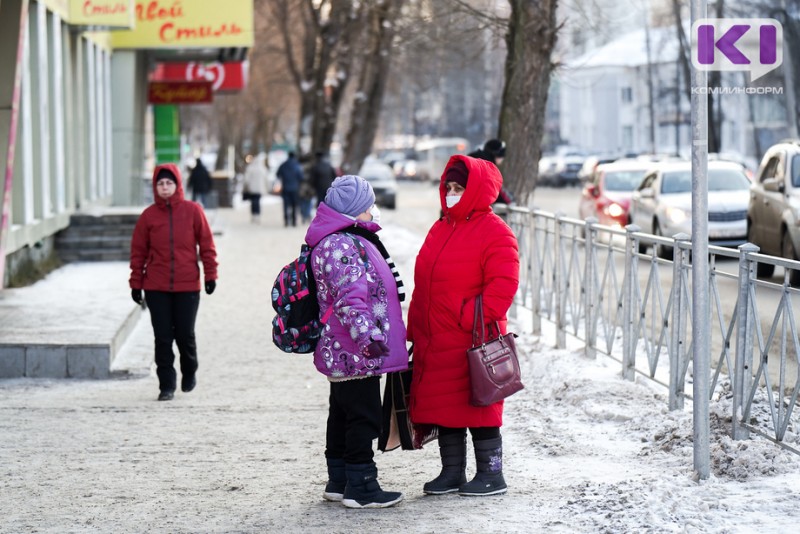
{"x": 180, "y": 93}
{"x": 231, "y": 76}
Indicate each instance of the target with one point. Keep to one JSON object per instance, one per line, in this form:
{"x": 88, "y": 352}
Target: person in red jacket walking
{"x": 164, "y": 265}
{"x": 468, "y": 252}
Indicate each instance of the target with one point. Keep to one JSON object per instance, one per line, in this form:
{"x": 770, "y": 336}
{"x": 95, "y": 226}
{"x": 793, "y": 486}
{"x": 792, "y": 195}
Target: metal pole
{"x": 559, "y": 285}
{"x": 744, "y": 339}
{"x": 701, "y": 347}
{"x": 677, "y": 323}
{"x": 629, "y": 304}
{"x": 589, "y": 306}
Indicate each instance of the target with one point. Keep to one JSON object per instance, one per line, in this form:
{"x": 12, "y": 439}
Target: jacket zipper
{"x": 171, "y": 250}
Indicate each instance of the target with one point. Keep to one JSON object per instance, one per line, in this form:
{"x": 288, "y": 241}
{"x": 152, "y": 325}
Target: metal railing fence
{"x": 611, "y": 289}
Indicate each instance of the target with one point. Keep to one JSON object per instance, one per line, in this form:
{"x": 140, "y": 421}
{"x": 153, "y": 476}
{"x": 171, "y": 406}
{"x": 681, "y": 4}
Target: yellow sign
{"x": 108, "y": 13}
{"x": 189, "y": 24}
{"x": 111, "y": 13}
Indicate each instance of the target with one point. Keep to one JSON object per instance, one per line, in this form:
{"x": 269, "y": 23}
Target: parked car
{"x": 381, "y": 176}
{"x": 406, "y": 169}
{"x": 562, "y": 168}
{"x": 608, "y": 196}
{"x": 590, "y": 164}
{"x": 662, "y": 204}
{"x": 773, "y": 213}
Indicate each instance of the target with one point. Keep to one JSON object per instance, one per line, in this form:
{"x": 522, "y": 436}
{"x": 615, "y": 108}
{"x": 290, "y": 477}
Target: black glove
{"x": 377, "y": 349}
{"x": 211, "y": 285}
{"x": 136, "y": 295}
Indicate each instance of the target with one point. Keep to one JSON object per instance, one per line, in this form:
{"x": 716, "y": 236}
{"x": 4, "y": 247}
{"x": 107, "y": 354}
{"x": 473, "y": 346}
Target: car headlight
{"x": 676, "y": 215}
{"x": 614, "y": 210}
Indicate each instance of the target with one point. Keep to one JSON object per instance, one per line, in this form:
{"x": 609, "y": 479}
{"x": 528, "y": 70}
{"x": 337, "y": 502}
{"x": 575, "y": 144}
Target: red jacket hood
{"x": 178, "y": 196}
{"x": 483, "y": 185}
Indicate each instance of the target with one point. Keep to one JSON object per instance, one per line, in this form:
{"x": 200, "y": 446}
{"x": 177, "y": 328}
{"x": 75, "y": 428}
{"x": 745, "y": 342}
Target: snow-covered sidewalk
{"x": 585, "y": 451}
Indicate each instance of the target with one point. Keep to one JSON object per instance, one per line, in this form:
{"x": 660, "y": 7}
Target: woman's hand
{"x": 211, "y": 285}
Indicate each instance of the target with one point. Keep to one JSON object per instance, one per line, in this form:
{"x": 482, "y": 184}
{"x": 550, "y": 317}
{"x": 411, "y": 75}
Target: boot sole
{"x": 333, "y": 497}
{"x": 483, "y": 494}
{"x": 439, "y": 492}
{"x": 350, "y": 503}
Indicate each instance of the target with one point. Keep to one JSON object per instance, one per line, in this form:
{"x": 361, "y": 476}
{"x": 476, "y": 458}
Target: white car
{"x": 383, "y": 181}
{"x": 662, "y": 204}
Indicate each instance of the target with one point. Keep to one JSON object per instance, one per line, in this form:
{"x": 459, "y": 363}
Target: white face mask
{"x": 452, "y": 200}
{"x": 376, "y": 214}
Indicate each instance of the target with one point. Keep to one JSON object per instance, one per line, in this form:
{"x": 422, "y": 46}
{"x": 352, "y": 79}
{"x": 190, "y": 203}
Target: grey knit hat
{"x": 350, "y": 195}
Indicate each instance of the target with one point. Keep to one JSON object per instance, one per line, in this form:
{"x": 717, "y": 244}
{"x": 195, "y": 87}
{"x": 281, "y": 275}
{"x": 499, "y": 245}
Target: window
{"x": 796, "y": 170}
{"x": 627, "y": 95}
{"x": 627, "y": 137}
{"x": 771, "y": 169}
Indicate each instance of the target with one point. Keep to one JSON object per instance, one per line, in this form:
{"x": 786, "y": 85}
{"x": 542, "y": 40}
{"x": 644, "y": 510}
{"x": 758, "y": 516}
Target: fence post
{"x": 629, "y": 336}
{"x": 537, "y": 272}
{"x": 677, "y": 332}
{"x": 559, "y": 286}
{"x": 744, "y": 340}
{"x": 589, "y": 304}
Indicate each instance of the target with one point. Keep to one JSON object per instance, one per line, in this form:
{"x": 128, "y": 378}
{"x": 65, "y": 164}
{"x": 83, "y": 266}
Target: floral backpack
{"x": 297, "y": 325}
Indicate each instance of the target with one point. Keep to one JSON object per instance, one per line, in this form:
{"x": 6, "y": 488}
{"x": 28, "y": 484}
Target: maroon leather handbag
{"x": 493, "y": 364}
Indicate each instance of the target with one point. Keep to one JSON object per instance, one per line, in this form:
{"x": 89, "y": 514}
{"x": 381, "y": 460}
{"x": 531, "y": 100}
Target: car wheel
{"x": 763, "y": 270}
{"x": 788, "y": 252}
{"x": 663, "y": 251}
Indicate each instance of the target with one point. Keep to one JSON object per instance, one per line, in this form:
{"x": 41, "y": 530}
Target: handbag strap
{"x": 478, "y": 316}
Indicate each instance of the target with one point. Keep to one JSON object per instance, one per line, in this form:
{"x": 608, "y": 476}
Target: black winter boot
{"x": 453, "y": 449}
{"x": 363, "y": 490}
{"x": 337, "y": 480}
{"x": 489, "y": 478}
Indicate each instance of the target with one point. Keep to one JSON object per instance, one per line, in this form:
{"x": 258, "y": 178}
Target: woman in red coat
{"x": 164, "y": 249}
{"x": 470, "y": 251}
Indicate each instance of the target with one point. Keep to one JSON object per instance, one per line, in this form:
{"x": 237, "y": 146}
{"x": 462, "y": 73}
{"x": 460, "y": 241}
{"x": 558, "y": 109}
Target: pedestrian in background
{"x": 163, "y": 263}
{"x": 200, "y": 183}
{"x": 470, "y": 251}
{"x": 494, "y": 150}
{"x": 255, "y": 184}
{"x": 306, "y": 194}
{"x": 358, "y": 287}
{"x": 291, "y": 176}
{"x": 322, "y": 175}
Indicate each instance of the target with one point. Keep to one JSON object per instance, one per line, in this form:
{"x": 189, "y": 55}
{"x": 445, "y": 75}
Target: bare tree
{"x": 321, "y": 68}
{"x": 714, "y": 77}
{"x": 372, "y": 82}
{"x": 531, "y": 37}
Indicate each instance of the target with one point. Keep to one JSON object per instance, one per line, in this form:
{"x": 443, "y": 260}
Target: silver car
{"x": 662, "y": 204}
{"x": 773, "y": 216}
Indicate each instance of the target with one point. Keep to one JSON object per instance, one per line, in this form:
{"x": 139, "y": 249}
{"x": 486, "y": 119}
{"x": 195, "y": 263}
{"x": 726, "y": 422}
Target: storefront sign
{"x": 189, "y": 24}
{"x": 230, "y": 76}
{"x": 180, "y": 93}
{"x": 97, "y": 13}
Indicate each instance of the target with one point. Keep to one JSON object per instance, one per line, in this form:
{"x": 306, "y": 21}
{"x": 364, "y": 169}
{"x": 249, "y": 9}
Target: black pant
{"x": 478, "y": 433}
{"x": 354, "y": 419}
{"x": 173, "y": 316}
{"x": 290, "y": 202}
{"x": 255, "y": 204}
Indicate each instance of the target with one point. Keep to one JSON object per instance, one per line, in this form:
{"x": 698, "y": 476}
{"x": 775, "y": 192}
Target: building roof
{"x": 630, "y": 50}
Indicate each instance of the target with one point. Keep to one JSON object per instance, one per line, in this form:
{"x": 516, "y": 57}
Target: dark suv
{"x": 773, "y": 215}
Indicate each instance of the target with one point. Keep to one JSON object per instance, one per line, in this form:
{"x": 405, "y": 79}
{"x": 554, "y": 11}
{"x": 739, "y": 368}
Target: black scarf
{"x": 373, "y": 238}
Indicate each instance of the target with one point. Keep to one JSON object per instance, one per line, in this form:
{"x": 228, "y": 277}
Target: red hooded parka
{"x": 468, "y": 252}
{"x": 165, "y": 242}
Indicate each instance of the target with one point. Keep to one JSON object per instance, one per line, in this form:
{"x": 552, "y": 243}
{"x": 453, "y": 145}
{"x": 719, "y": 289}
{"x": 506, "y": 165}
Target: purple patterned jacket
{"x": 364, "y": 298}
